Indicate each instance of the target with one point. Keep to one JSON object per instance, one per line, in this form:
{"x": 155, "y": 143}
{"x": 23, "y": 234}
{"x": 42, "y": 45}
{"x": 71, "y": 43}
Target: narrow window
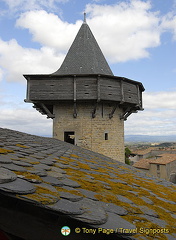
{"x": 106, "y": 136}
{"x": 158, "y": 167}
{"x": 69, "y": 137}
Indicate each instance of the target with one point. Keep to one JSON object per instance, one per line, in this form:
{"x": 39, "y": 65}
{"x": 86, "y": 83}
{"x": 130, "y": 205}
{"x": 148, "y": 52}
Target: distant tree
{"x": 127, "y": 154}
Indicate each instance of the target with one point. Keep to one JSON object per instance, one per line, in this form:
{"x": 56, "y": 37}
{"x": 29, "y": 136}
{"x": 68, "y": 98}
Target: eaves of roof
{"x": 58, "y": 76}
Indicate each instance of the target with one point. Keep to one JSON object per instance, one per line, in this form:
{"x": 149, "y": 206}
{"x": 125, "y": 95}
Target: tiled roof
{"x": 143, "y": 163}
{"x": 84, "y": 56}
{"x": 46, "y": 184}
{"x": 164, "y": 159}
{"x": 144, "y": 151}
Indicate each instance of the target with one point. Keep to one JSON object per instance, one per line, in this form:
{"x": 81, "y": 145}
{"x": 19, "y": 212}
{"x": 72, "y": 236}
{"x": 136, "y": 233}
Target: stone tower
{"x": 87, "y": 103}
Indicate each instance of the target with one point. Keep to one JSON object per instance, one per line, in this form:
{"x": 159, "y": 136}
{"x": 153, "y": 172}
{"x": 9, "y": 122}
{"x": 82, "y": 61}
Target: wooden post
{"x": 122, "y": 92}
{"x": 113, "y": 111}
{"x": 74, "y": 97}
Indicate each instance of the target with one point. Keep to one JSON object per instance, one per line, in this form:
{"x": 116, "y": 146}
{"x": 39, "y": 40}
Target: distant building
{"x": 163, "y": 166}
{"x": 149, "y": 152}
{"x": 143, "y": 164}
{"x": 87, "y": 103}
{"x": 136, "y": 155}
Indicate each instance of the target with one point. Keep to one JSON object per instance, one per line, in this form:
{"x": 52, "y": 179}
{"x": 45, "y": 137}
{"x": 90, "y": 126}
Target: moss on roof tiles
{"x": 28, "y": 176}
{"x": 22, "y": 146}
{"x": 5, "y": 151}
{"x": 110, "y": 181}
{"x": 42, "y": 196}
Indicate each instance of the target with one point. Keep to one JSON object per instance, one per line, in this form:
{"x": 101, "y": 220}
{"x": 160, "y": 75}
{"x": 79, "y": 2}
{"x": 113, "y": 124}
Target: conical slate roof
{"x": 84, "y": 56}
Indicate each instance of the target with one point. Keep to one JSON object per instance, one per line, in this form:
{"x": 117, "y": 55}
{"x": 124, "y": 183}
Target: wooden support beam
{"x": 94, "y": 110}
{"x": 27, "y": 101}
{"x": 39, "y": 109}
{"x": 102, "y": 109}
{"x": 113, "y": 111}
{"x": 128, "y": 109}
{"x": 127, "y": 113}
{"x": 47, "y": 111}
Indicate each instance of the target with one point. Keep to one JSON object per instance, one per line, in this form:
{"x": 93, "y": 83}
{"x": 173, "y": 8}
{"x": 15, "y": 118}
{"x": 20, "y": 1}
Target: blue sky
{"x": 137, "y": 37}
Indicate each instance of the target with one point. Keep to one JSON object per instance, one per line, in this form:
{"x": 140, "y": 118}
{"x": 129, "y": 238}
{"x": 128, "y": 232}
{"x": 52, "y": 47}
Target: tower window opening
{"x": 69, "y": 137}
{"x": 106, "y": 136}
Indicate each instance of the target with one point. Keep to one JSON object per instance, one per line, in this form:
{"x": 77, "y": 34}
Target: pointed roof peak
{"x": 84, "y": 55}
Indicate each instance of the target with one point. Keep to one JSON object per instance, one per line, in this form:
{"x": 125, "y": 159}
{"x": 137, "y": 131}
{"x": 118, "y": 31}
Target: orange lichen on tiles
{"x": 22, "y": 146}
{"x": 5, "y": 151}
{"x": 75, "y": 192}
{"x": 84, "y": 166}
{"x": 74, "y": 156}
{"x": 42, "y": 195}
{"x": 28, "y": 175}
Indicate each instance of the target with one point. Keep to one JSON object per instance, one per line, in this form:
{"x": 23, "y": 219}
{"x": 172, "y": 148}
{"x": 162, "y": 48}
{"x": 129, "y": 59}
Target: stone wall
{"x": 90, "y": 132}
{"x": 164, "y": 170}
{"x": 159, "y": 172}
{"x": 171, "y": 168}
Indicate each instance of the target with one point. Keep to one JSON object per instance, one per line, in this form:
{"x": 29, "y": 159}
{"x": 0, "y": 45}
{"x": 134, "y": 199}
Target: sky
{"x": 137, "y": 37}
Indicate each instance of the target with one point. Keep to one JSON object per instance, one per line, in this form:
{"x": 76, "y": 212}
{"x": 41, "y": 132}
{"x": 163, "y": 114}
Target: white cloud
{"x": 98, "y": 1}
{"x": 126, "y": 30}
{"x": 1, "y": 74}
{"x": 158, "y": 117}
{"x": 25, "y": 5}
{"x": 26, "y": 120}
{"x": 22, "y": 117}
{"x": 16, "y": 60}
{"x": 149, "y": 123}
{"x": 160, "y": 100}
{"x": 48, "y": 29}
{"x": 169, "y": 24}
